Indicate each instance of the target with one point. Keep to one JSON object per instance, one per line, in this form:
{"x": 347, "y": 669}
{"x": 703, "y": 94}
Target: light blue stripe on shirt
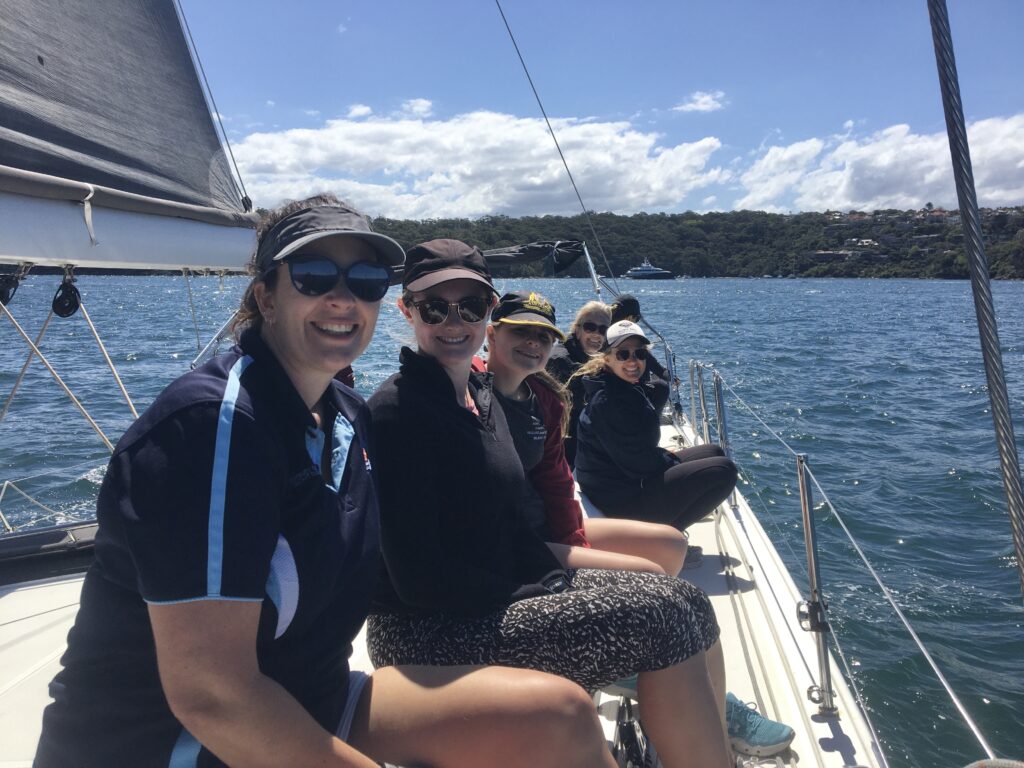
{"x": 219, "y": 484}
{"x": 186, "y": 751}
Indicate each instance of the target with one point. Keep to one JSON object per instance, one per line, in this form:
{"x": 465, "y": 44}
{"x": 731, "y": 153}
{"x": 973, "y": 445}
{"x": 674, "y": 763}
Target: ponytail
{"x": 560, "y": 391}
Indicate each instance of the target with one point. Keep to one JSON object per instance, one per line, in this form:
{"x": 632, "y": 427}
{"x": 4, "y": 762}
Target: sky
{"x": 420, "y": 108}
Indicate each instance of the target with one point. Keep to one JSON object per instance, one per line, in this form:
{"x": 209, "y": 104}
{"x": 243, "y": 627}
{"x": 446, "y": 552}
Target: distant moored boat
{"x": 647, "y": 271}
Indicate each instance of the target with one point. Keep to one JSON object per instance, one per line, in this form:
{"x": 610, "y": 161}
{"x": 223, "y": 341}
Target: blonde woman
{"x": 586, "y": 338}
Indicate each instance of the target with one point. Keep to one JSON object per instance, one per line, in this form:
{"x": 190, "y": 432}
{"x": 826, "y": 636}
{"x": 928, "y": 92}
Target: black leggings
{"x": 683, "y": 494}
{"x": 609, "y": 625}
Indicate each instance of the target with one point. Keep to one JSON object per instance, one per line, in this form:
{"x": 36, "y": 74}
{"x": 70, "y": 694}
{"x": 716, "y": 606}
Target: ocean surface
{"x": 880, "y": 382}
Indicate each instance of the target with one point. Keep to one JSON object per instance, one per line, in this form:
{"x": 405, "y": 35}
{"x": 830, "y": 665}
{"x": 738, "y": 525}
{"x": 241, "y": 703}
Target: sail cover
{"x": 558, "y": 254}
{"x": 109, "y": 157}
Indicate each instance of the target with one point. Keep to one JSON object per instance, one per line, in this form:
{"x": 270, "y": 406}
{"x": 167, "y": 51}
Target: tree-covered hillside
{"x": 925, "y": 243}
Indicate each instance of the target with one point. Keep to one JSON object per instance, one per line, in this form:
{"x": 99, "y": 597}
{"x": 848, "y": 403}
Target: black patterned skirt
{"x": 611, "y": 624}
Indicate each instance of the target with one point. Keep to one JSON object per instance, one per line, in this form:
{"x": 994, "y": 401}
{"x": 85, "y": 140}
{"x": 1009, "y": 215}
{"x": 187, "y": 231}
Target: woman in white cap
{"x": 619, "y": 464}
{"x": 468, "y": 582}
{"x": 238, "y": 545}
{"x": 520, "y": 338}
{"x": 624, "y": 471}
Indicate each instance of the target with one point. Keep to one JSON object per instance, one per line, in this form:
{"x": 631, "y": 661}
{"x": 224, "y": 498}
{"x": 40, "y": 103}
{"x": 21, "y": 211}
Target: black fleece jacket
{"x": 565, "y": 359}
{"x": 568, "y": 357}
{"x": 618, "y": 439}
{"x": 450, "y": 482}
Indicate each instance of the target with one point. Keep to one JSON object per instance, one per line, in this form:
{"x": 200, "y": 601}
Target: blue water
{"x": 879, "y": 382}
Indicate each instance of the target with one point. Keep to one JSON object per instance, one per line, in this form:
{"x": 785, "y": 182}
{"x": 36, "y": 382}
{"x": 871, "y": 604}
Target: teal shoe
{"x": 751, "y": 733}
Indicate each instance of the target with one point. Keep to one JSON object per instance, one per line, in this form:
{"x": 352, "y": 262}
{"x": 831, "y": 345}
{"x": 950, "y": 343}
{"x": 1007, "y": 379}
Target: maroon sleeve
{"x": 552, "y": 478}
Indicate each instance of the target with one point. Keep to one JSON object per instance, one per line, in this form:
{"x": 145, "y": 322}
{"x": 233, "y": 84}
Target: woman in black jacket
{"x": 619, "y": 464}
{"x": 586, "y": 337}
{"x": 468, "y": 582}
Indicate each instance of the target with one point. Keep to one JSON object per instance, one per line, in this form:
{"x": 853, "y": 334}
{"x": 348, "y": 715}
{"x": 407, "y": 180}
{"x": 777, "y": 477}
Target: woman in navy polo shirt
{"x": 237, "y": 549}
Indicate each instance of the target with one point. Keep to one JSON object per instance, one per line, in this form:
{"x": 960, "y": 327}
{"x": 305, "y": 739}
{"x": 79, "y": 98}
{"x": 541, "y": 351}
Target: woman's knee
{"x": 560, "y": 721}
{"x": 687, "y": 609}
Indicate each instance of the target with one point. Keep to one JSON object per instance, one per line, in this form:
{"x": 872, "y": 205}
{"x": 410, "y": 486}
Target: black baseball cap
{"x": 310, "y": 224}
{"x": 527, "y": 308}
{"x": 625, "y": 306}
{"x": 438, "y": 261}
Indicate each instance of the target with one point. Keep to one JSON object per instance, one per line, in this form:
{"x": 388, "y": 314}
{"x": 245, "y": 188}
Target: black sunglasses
{"x": 622, "y": 355}
{"x": 316, "y": 275}
{"x": 472, "y": 309}
{"x": 594, "y": 328}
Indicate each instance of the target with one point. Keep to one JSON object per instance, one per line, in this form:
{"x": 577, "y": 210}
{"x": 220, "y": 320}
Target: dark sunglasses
{"x": 472, "y": 309}
{"x": 622, "y": 355}
{"x": 594, "y": 328}
{"x": 317, "y": 275}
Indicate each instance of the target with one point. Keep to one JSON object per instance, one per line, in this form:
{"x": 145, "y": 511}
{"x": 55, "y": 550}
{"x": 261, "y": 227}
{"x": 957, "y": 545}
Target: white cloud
{"x": 271, "y": 103}
{"x": 418, "y": 107}
{"x": 482, "y": 163}
{"x": 311, "y": 112}
{"x": 892, "y": 168}
{"x": 476, "y": 164}
{"x": 342, "y": 29}
{"x": 702, "y": 101}
{"x": 775, "y": 173}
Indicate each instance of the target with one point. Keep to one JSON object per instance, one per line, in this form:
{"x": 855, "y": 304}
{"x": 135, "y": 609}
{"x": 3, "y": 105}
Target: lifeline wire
{"x": 24, "y": 368}
{"x": 57, "y": 377}
{"x": 906, "y": 623}
{"x": 972, "y": 726}
{"x": 554, "y": 138}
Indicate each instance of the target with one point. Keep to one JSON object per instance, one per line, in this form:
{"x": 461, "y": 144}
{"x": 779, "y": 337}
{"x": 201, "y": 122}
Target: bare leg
{"x": 659, "y": 543}
{"x": 716, "y": 668}
{"x": 470, "y": 716}
{"x": 681, "y": 716}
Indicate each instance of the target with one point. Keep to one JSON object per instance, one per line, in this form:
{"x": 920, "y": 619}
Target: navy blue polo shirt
{"x": 224, "y": 489}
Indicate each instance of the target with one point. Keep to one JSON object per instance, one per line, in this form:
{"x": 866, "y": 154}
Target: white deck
{"x": 769, "y": 659}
